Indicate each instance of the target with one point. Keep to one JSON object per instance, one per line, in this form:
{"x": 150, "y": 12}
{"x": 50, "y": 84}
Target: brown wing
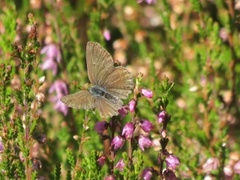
{"x": 107, "y": 108}
{"x": 119, "y": 82}
{"x": 99, "y": 63}
{"x": 81, "y": 100}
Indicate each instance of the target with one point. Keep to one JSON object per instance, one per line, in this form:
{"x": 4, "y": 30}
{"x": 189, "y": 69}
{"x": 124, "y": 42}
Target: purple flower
{"x": 237, "y": 168}
{"x": 123, "y": 111}
{"x": 147, "y": 174}
{"x": 106, "y": 34}
{"x": 144, "y": 142}
{"x": 128, "y": 130}
{"x": 172, "y": 162}
{"x": 146, "y": 125}
{"x": 1, "y": 147}
{"x": 117, "y": 142}
{"x": 162, "y": 116}
{"x": 147, "y": 93}
{"x": 100, "y": 126}
{"x": 169, "y": 175}
{"x": 110, "y": 177}
{"x": 147, "y": 1}
{"x": 52, "y": 58}
{"x": 101, "y": 160}
{"x": 120, "y": 165}
{"x": 132, "y": 105}
{"x": 211, "y": 164}
{"x": 60, "y": 88}
{"x": 60, "y": 107}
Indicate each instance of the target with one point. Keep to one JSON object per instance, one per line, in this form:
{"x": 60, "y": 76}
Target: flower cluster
{"x": 60, "y": 88}
{"x": 51, "y": 59}
{"x": 138, "y": 132}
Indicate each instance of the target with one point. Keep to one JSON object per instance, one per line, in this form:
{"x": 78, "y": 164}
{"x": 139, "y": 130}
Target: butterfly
{"x": 109, "y": 84}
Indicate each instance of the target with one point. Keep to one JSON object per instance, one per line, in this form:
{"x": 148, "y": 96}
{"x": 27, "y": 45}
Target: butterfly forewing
{"x": 99, "y": 63}
{"x": 82, "y": 100}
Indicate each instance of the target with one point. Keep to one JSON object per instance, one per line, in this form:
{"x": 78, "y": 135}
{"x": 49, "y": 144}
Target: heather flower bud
{"x": 1, "y": 147}
{"x": 169, "y": 175}
{"x": 100, "y": 126}
{"x": 144, "y": 142}
{"x": 147, "y": 93}
{"x": 162, "y": 116}
{"x": 40, "y": 97}
{"x": 172, "y": 162}
{"x": 132, "y": 105}
{"x": 147, "y": 174}
{"x": 146, "y": 125}
{"x": 106, "y": 34}
{"x": 101, "y": 160}
{"x": 123, "y": 111}
{"x": 110, "y": 177}
{"x": 211, "y": 164}
{"x": 128, "y": 130}
{"x": 237, "y": 168}
{"x": 120, "y": 165}
{"x": 117, "y": 142}
{"x": 42, "y": 79}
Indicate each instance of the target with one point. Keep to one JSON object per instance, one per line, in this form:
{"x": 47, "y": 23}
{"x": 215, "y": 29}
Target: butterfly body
{"x": 110, "y": 84}
{"x": 100, "y": 92}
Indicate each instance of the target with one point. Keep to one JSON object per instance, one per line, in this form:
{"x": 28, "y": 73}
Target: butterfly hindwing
{"x": 107, "y": 108}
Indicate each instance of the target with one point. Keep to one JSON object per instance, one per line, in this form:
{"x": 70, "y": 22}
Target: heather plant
{"x": 181, "y": 120}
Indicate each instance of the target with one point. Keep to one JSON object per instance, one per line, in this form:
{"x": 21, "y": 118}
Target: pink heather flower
{"x": 146, "y": 125}
{"x": 128, "y": 130}
{"x": 52, "y": 58}
{"x": 147, "y": 1}
{"x": 60, "y": 107}
{"x": 228, "y": 173}
{"x": 144, "y": 142}
{"x": 147, "y": 93}
{"x": 60, "y": 88}
{"x": 101, "y": 160}
{"x": 211, "y": 164}
{"x": 223, "y": 33}
{"x": 237, "y": 168}
{"x": 106, "y": 34}
{"x": 169, "y": 175}
{"x": 147, "y": 174}
{"x": 120, "y": 165}
{"x": 172, "y": 162}
{"x": 1, "y": 147}
{"x": 100, "y": 126}
{"x": 162, "y": 116}
{"x": 123, "y": 111}
{"x": 110, "y": 177}
{"x": 117, "y": 142}
{"x": 132, "y": 105}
